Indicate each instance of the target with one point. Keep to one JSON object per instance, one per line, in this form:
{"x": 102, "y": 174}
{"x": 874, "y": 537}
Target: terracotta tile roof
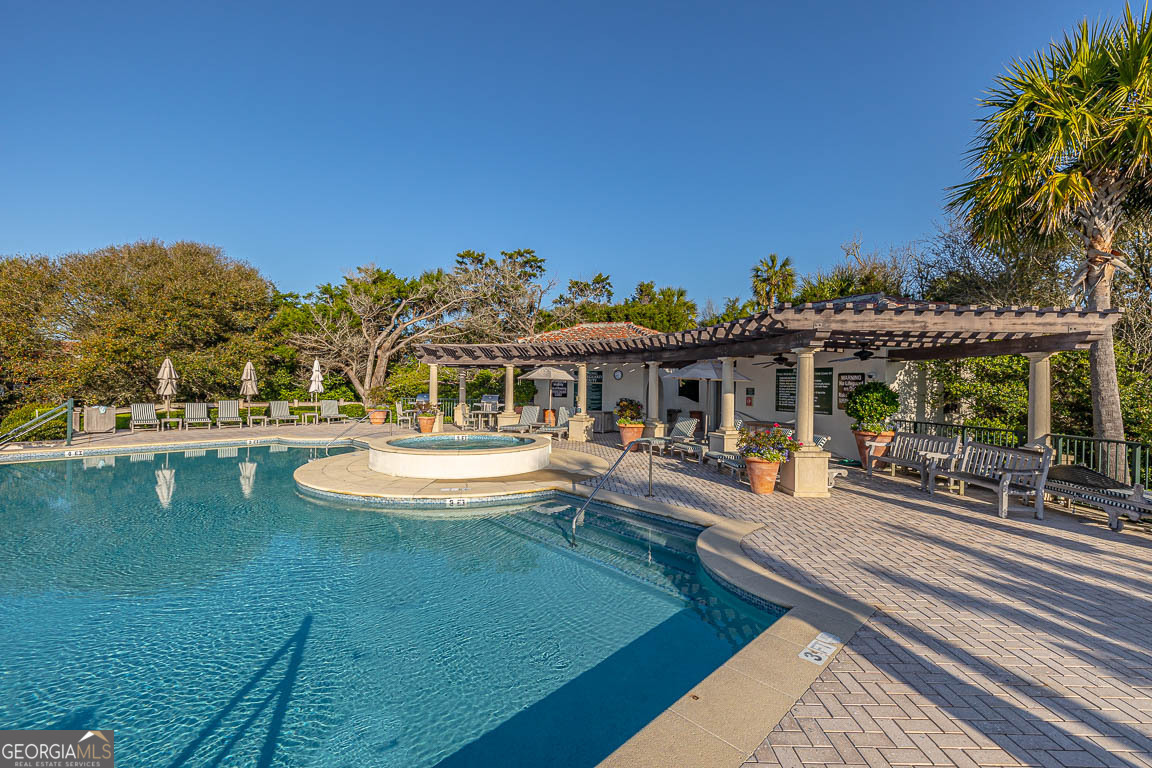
{"x": 591, "y": 332}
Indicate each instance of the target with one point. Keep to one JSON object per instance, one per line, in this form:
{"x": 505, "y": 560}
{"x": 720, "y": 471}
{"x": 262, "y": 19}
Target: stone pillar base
{"x": 654, "y": 429}
{"x": 805, "y": 475}
{"x": 458, "y": 416}
{"x": 723, "y": 440}
{"x": 507, "y": 418}
{"x": 580, "y": 428}
{"x": 439, "y": 425}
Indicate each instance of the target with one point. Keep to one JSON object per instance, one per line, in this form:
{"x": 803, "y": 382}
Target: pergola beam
{"x": 1053, "y": 342}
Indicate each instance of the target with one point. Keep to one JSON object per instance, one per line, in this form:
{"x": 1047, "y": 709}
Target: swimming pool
{"x": 211, "y": 616}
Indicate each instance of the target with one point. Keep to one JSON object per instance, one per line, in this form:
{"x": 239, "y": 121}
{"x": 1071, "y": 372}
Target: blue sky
{"x": 671, "y": 141}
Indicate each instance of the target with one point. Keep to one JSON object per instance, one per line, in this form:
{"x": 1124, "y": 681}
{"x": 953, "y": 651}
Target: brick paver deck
{"x": 995, "y": 642}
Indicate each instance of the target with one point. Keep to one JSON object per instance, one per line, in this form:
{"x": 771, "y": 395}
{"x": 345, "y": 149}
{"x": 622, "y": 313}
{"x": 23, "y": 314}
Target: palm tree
{"x": 771, "y": 280}
{"x": 1066, "y": 149}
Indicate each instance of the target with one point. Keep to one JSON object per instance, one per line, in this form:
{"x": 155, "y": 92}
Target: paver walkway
{"x": 995, "y": 642}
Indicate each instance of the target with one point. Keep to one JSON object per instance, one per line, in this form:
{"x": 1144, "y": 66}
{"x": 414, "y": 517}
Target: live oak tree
{"x": 1065, "y": 149}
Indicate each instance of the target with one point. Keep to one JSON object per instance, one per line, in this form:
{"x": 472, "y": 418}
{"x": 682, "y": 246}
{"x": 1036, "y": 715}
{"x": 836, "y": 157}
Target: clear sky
{"x": 671, "y": 141}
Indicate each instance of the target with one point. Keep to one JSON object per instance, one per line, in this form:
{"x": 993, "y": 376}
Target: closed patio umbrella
{"x": 548, "y": 373}
{"x": 316, "y": 383}
{"x": 247, "y": 477}
{"x": 167, "y": 386}
{"x": 248, "y": 383}
{"x": 704, "y": 370}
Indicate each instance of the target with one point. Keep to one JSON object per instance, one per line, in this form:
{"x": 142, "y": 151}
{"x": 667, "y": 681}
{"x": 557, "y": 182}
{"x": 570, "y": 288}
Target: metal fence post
{"x": 68, "y": 421}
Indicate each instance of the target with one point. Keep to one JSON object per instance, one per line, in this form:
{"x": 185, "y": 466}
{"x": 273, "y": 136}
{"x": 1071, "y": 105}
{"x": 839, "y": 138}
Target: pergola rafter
{"x": 917, "y": 330}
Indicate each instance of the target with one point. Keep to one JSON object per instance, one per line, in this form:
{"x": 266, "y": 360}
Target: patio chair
{"x": 403, "y": 417}
{"x": 329, "y": 410}
{"x": 143, "y": 415}
{"x": 681, "y": 433}
{"x": 562, "y": 418}
{"x": 228, "y": 412}
{"x": 278, "y": 412}
{"x": 196, "y": 415}
{"x": 529, "y": 418}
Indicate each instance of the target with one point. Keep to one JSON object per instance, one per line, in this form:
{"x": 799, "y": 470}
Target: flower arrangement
{"x": 772, "y": 445}
{"x": 629, "y": 412}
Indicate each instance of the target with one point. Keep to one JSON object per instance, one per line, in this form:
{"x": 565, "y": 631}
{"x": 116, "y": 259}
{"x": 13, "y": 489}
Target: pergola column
{"x": 1039, "y": 396}
{"x": 434, "y": 395}
{"x": 653, "y": 425}
{"x": 461, "y": 399}
{"x": 508, "y": 416}
{"x": 580, "y": 423}
{"x": 726, "y": 437}
{"x": 806, "y": 472}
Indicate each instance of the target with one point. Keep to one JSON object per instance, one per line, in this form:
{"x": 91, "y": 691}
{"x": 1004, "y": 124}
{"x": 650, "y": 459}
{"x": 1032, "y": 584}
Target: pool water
{"x": 460, "y": 442}
{"x": 212, "y": 616}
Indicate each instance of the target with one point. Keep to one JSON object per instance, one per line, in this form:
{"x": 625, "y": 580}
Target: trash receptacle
{"x": 99, "y": 418}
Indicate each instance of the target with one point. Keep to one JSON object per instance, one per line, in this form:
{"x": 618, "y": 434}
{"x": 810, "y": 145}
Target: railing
{"x": 1008, "y": 438}
{"x": 1122, "y": 460}
{"x": 64, "y": 409}
{"x": 349, "y": 428}
{"x": 578, "y": 519}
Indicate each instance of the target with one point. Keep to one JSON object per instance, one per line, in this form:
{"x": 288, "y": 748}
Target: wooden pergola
{"x": 908, "y": 330}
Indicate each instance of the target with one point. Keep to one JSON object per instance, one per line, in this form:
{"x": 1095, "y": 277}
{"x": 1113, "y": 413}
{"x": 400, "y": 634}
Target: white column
{"x": 580, "y": 423}
{"x": 434, "y": 394}
{"x": 582, "y": 387}
{"x": 653, "y": 392}
{"x": 1039, "y": 395}
{"x": 509, "y": 389}
{"x": 805, "y": 392}
{"x": 727, "y": 394}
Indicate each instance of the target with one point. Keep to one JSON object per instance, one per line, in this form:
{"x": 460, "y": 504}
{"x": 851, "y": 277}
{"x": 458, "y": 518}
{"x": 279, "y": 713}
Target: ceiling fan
{"x": 780, "y": 359}
{"x": 861, "y": 355}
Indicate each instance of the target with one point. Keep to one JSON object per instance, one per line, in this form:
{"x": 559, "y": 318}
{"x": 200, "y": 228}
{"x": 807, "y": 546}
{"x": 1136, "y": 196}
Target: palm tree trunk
{"x": 1107, "y": 418}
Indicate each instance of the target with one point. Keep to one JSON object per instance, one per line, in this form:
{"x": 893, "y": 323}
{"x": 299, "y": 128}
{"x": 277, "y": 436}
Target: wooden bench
{"x": 1073, "y": 482}
{"x": 908, "y": 450}
{"x": 1006, "y": 471}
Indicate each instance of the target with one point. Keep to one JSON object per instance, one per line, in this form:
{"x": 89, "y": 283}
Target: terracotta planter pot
{"x": 630, "y": 432}
{"x": 866, "y": 437}
{"x": 377, "y": 417}
{"x": 427, "y": 423}
{"x": 762, "y": 474}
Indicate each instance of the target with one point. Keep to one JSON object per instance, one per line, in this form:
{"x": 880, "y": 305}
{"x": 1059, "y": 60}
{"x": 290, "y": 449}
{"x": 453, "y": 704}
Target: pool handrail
{"x": 578, "y": 519}
{"x": 347, "y": 429}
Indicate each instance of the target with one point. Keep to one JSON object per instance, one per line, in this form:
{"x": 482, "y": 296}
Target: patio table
{"x": 169, "y": 420}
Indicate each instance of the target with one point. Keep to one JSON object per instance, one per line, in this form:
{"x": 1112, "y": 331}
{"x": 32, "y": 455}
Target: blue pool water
{"x": 463, "y": 442}
{"x": 212, "y": 616}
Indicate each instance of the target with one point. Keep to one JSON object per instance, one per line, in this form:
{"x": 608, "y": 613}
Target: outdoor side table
{"x": 309, "y": 415}
{"x": 935, "y": 457}
{"x": 169, "y": 421}
{"x": 262, "y": 419}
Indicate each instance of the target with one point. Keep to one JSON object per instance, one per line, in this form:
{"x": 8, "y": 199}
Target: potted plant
{"x": 763, "y": 453}
{"x": 871, "y": 405}
{"x": 630, "y": 420}
{"x": 427, "y": 417}
{"x": 377, "y": 414}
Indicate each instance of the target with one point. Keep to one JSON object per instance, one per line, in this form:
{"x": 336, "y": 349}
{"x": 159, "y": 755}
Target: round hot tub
{"x": 462, "y": 456}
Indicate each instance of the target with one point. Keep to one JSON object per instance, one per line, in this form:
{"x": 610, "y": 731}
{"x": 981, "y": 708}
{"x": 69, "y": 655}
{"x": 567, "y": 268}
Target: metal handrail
{"x": 991, "y": 435}
{"x": 354, "y": 422}
{"x": 64, "y": 408}
{"x": 578, "y": 519}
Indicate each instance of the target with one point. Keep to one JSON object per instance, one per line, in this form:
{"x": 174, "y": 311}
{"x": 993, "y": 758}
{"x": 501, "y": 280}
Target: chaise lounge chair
{"x": 196, "y": 415}
{"x": 681, "y": 433}
{"x": 143, "y": 415}
{"x": 329, "y": 410}
{"x": 228, "y": 412}
{"x": 529, "y": 418}
{"x": 278, "y": 412}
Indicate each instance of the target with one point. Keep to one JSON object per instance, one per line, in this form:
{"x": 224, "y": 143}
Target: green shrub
{"x": 56, "y": 429}
{"x": 872, "y": 404}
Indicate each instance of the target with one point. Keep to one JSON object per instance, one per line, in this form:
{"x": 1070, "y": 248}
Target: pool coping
{"x": 725, "y": 717}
